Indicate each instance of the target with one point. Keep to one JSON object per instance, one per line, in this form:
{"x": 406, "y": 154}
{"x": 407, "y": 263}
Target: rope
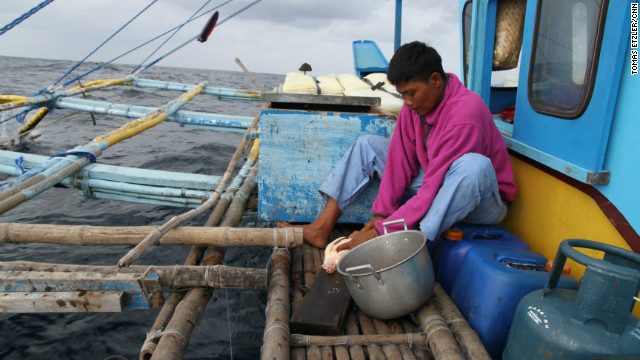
{"x": 195, "y": 37}
{"x": 169, "y": 38}
{"x": 24, "y": 16}
{"x": 99, "y": 46}
{"x": 141, "y": 45}
{"x": 410, "y": 340}
{"x": 226, "y": 292}
{"x": 173, "y": 276}
{"x": 278, "y": 324}
{"x": 42, "y": 126}
{"x": 23, "y": 114}
{"x": 19, "y": 162}
{"x": 171, "y": 331}
{"x": 456, "y": 320}
{"x": 433, "y": 324}
{"x": 86, "y": 154}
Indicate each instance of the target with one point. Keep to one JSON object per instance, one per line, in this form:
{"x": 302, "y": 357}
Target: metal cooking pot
{"x": 391, "y": 275}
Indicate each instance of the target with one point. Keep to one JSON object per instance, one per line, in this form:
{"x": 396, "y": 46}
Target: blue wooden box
{"x": 298, "y": 149}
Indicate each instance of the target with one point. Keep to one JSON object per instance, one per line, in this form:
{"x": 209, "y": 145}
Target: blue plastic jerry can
{"x": 491, "y": 283}
{"x": 593, "y": 322}
{"x": 448, "y": 252}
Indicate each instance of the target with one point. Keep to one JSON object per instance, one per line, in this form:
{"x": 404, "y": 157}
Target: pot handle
{"x": 384, "y": 224}
{"x": 363, "y": 267}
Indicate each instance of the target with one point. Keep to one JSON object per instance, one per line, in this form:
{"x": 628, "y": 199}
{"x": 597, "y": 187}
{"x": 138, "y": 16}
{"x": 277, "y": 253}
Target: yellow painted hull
{"x": 548, "y": 210}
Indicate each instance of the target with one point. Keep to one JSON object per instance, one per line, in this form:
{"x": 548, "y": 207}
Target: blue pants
{"x": 469, "y": 191}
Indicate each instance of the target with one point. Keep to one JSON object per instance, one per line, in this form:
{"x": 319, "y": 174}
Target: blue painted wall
{"x": 298, "y": 149}
{"x": 623, "y": 153}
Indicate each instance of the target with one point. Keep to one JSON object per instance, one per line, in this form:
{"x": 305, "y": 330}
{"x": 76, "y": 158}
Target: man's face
{"x": 419, "y": 96}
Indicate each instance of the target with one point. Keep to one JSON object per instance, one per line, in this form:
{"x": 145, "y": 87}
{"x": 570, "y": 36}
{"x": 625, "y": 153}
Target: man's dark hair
{"x": 414, "y": 61}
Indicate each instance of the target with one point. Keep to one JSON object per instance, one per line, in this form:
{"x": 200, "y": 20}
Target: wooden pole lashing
{"x": 439, "y": 336}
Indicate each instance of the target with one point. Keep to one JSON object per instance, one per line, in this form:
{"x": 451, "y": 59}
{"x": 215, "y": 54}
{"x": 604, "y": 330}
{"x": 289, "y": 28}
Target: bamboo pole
{"x": 43, "y": 182}
{"x": 220, "y": 93}
{"x": 439, "y": 336}
{"x": 195, "y": 256}
{"x": 168, "y": 309}
{"x": 467, "y": 338}
{"x": 153, "y": 237}
{"x": 355, "y": 351}
{"x": 177, "y": 276}
{"x": 392, "y": 351}
{"x": 56, "y": 170}
{"x": 422, "y": 351}
{"x": 182, "y": 117}
{"x": 342, "y": 353}
{"x": 183, "y": 320}
{"x": 34, "y": 120}
{"x": 411, "y": 349}
{"x": 250, "y": 75}
{"x": 375, "y": 351}
{"x": 51, "y": 97}
{"x": 297, "y": 294}
{"x": 175, "y": 337}
{"x": 309, "y": 278}
{"x": 300, "y": 340}
{"x": 276, "y": 332}
{"x": 131, "y": 235}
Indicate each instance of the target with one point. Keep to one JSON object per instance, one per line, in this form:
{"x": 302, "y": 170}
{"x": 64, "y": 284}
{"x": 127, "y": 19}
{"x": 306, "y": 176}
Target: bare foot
{"x": 312, "y": 233}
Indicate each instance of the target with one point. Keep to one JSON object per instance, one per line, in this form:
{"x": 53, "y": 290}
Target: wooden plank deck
{"x": 437, "y": 331}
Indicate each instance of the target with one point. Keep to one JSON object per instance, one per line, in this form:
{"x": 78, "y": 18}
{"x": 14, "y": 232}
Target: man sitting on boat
{"x": 445, "y": 152}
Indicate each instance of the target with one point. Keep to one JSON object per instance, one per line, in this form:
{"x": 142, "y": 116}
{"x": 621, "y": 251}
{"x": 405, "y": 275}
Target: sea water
{"x": 233, "y": 321}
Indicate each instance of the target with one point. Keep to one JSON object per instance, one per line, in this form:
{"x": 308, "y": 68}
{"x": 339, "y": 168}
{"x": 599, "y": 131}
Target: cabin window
{"x": 565, "y": 54}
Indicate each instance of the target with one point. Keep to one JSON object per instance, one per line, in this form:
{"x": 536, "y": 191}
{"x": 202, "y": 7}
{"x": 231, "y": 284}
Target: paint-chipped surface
{"x": 298, "y": 149}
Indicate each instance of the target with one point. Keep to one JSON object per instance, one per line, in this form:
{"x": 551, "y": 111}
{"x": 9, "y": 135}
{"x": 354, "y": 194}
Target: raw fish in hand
{"x": 332, "y": 256}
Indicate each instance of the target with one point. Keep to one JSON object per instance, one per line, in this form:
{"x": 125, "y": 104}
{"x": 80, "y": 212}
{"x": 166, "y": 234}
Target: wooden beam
{"x": 276, "y": 332}
{"x": 137, "y": 294}
{"x": 58, "y": 302}
{"x": 177, "y": 276}
{"x": 349, "y": 340}
{"x": 131, "y": 235}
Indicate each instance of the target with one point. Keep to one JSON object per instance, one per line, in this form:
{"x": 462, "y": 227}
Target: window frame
{"x": 577, "y": 111}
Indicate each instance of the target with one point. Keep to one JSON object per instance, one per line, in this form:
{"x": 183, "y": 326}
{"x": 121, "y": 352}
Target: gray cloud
{"x": 274, "y": 36}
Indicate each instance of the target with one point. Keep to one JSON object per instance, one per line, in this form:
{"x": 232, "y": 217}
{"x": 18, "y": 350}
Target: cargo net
{"x": 509, "y": 29}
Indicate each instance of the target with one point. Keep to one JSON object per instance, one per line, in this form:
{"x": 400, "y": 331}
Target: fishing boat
{"x": 560, "y": 81}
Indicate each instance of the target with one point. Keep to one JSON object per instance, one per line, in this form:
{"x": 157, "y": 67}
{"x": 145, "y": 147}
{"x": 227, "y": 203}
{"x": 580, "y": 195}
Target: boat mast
{"x": 398, "y": 29}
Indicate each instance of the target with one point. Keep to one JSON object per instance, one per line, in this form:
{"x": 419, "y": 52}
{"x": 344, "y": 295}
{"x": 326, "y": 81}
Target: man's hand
{"x": 357, "y": 238}
{"x": 371, "y": 224}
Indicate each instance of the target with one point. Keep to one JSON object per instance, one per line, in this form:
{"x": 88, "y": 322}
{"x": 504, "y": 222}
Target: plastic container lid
{"x": 453, "y": 234}
{"x": 565, "y": 270}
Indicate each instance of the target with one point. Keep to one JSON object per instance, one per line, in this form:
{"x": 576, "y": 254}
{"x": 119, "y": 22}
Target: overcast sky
{"x": 273, "y": 36}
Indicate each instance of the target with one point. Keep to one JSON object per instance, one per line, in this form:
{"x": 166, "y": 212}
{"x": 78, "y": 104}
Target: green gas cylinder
{"x": 593, "y": 322}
